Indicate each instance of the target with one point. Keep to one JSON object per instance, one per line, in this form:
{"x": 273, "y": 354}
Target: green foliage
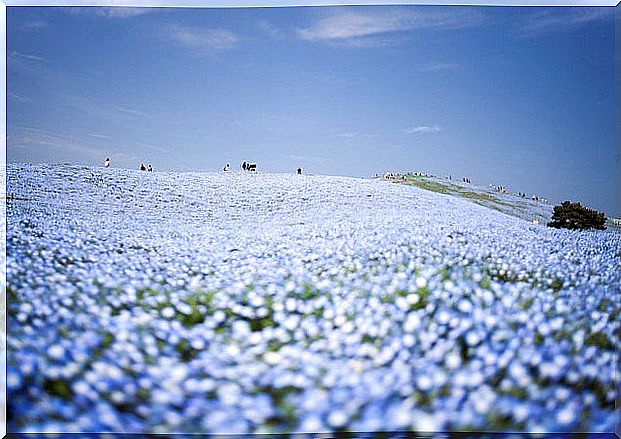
{"x": 528, "y": 303}
{"x": 574, "y": 216}
{"x": 259, "y": 324}
{"x": 58, "y": 387}
{"x": 186, "y": 351}
{"x": 194, "y": 318}
{"x": 600, "y": 340}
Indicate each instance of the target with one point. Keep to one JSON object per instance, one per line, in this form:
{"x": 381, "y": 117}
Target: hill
{"x": 511, "y": 204}
{"x": 236, "y": 302}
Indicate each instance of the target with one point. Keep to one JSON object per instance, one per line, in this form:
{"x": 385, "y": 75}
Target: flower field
{"x": 236, "y": 303}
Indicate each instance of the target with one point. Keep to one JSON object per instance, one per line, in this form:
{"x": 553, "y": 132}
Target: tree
{"x": 574, "y": 216}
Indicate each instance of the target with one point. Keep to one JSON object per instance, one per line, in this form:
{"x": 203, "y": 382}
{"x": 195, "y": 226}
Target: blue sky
{"x": 522, "y": 97}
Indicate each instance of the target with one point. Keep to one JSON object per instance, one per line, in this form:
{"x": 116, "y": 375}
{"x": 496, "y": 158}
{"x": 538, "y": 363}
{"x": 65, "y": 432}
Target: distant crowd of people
{"x": 142, "y": 167}
{"x": 245, "y": 166}
{"x": 499, "y": 188}
{"x": 252, "y": 167}
{"x": 248, "y": 166}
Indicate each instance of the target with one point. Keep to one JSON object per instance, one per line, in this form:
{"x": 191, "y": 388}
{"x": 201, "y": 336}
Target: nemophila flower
{"x": 452, "y": 360}
{"x": 13, "y": 380}
{"x": 56, "y": 352}
{"x": 151, "y": 330}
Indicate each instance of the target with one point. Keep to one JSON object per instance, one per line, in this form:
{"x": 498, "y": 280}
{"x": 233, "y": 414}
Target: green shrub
{"x": 574, "y": 216}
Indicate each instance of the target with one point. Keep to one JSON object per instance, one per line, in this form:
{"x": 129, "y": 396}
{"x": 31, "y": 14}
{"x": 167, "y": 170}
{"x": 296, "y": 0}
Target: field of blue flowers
{"x": 235, "y": 302}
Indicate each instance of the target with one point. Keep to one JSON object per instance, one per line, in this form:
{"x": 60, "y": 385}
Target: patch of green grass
{"x": 106, "y": 342}
{"x": 143, "y": 394}
{"x": 488, "y": 200}
{"x": 259, "y": 324}
{"x": 318, "y": 313}
{"x": 387, "y": 298}
{"x": 598, "y": 389}
{"x": 557, "y": 284}
{"x": 445, "y": 273}
{"x": 432, "y": 186}
{"x": 202, "y": 298}
{"x": 274, "y": 345}
{"x": 444, "y": 391}
{"x": 269, "y": 302}
{"x": 479, "y": 196}
{"x": 350, "y": 270}
{"x": 518, "y": 392}
{"x": 423, "y": 293}
{"x": 504, "y": 277}
{"x": 600, "y": 340}
{"x": 285, "y": 415}
{"x": 538, "y": 339}
{"x": 497, "y": 379}
{"x": 58, "y": 387}
{"x": 366, "y": 338}
{"x": 423, "y": 399}
{"x": 485, "y": 282}
{"x": 527, "y": 303}
{"x": 11, "y": 295}
{"x": 194, "y": 318}
{"x": 502, "y": 422}
{"x": 308, "y": 293}
{"x": 603, "y": 305}
{"x": 142, "y": 292}
{"x": 563, "y": 334}
{"x": 186, "y": 352}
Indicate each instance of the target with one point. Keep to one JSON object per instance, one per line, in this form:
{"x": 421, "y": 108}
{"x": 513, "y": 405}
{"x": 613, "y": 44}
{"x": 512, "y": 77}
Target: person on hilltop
{"x": 299, "y": 171}
{"x": 150, "y": 169}
{"x": 247, "y": 166}
{"x": 142, "y": 167}
{"x": 107, "y": 162}
{"x": 227, "y": 167}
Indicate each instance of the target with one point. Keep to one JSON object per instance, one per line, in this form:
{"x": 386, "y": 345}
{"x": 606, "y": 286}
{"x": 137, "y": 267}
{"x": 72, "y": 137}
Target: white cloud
{"x": 109, "y": 11}
{"x": 436, "y": 67}
{"x": 150, "y": 147}
{"x": 131, "y": 111}
{"x": 34, "y": 138}
{"x": 309, "y": 159}
{"x": 424, "y": 129}
{"x": 122, "y": 12}
{"x": 561, "y": 19}
{"x": 99, "y": 136}
{"x": 367, "y": 42}
{"x": 350, "y": 135}
{"x": 24, "y": 56}
{"x": 202, "y": 38}
{"x": 17, "y": 97}
{"x": 33, "y": 26}
{"x": 341, "y": 26}
{"x": 345, "y": 135}
{"x": 269, "y": 28}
